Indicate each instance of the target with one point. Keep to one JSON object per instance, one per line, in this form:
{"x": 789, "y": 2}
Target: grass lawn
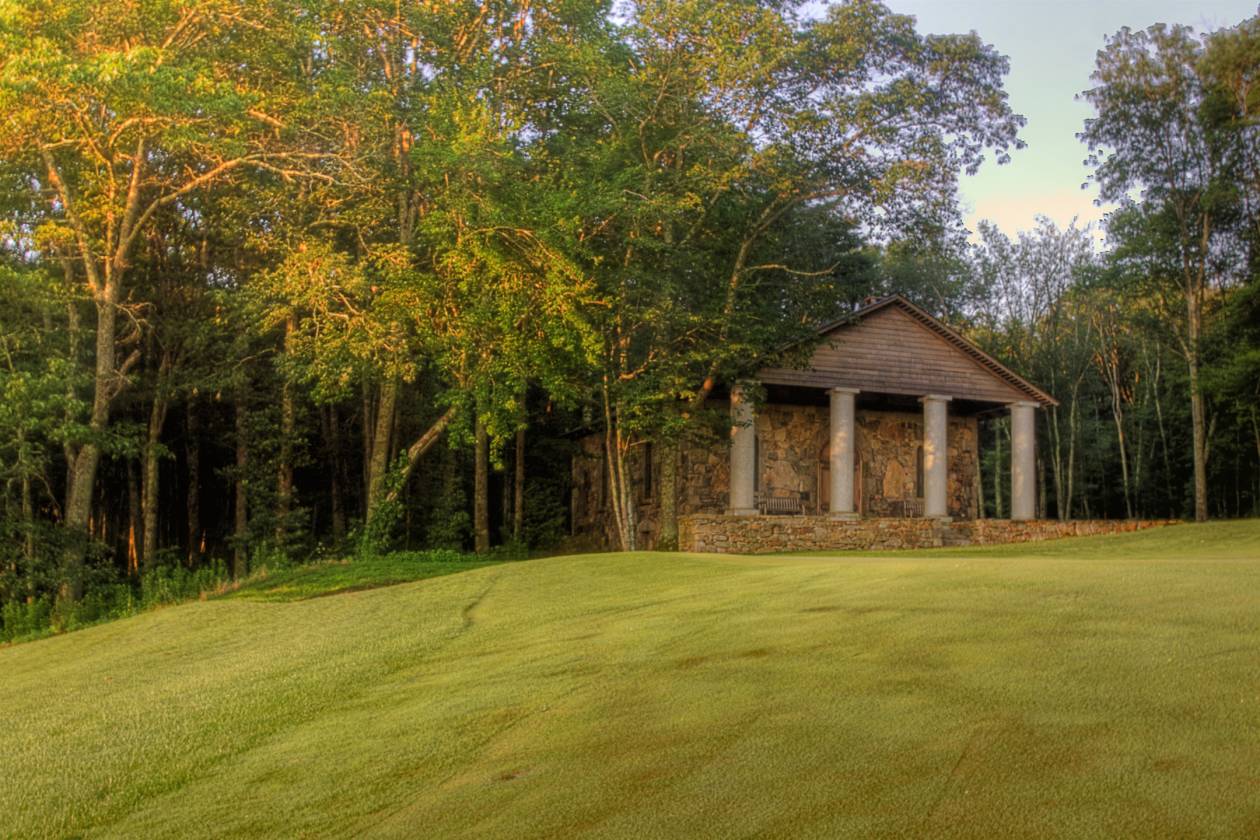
{"x": 1098, "y": 687}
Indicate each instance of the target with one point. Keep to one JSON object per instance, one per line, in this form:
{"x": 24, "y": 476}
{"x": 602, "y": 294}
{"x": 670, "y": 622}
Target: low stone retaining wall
{"x": 771, "y": 534}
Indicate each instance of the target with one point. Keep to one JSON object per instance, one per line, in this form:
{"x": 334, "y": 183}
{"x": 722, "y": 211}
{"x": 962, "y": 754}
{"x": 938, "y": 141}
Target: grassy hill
{"x": 1106, "y": 686}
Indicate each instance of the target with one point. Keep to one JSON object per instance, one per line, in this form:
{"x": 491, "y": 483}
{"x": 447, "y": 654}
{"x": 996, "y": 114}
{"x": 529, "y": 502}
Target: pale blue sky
{"x": 1051, "y": 45}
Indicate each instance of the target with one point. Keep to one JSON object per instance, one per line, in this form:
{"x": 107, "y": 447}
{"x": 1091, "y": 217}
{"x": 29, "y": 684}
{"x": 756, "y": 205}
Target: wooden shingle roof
{"x": 892, "y": 346}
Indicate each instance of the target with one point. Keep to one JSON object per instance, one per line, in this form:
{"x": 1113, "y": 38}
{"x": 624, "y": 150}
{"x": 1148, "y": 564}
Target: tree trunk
{"x": 1056, "y": 464}
{"x": 1200, "y": 444}
{"x": 82, "y": 478}
{"x": 481, "y": 489}
{"x": 1117, "y": 415}
{"x": 1074, "y": 427}
{"x": 518, "y": 488}
{"x": 151, "y": 478}
{"x": 378, "y": 464}
{"x": 417, "y": 449}
{"x": 1163, "y": 440}
{"x": 336, "y": 474}
{"x": 668, "y": 538}
{"x": 1041, "y": 488}
{"x": 135, "y": 520}
{"x": 28, "y": 518}
{"x": 288, "y": 428}
{"x": 1194, "y": 284}
{"x": 240, "y": 558}
{"x": 619, "y": 497}
{"x": 192, "y": 452}
{"x": 1255, "y": 428}
{"x": 369, "y": 425}
{"x": 151, "y": 463}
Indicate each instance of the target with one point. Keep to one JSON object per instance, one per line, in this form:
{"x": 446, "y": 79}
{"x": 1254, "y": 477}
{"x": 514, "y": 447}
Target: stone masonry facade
{"x": 793, "y": 463}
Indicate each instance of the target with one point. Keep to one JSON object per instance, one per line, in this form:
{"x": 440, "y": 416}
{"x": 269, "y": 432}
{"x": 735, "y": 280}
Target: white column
{"x": 843, "y": 445}
{"x": 935, "y": 456}
{"x": 1023, "y": 461}
{"x": 743, "y": 454}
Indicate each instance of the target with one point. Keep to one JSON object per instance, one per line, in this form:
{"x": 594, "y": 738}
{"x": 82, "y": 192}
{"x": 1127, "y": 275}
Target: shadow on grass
{"x": 318, "y": 580}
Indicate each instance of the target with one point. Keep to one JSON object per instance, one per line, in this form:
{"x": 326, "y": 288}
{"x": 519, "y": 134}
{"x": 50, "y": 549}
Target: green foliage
{"x": 20, "y": 620}
{"x": 448, "y": 524}
{"x": 107, "y": 600}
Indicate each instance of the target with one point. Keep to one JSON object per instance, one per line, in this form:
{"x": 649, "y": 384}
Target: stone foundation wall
{"x": 773, "y": 534}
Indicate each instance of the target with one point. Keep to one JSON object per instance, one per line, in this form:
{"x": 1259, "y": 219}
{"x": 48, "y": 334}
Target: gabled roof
{"x": 831, "y": 365}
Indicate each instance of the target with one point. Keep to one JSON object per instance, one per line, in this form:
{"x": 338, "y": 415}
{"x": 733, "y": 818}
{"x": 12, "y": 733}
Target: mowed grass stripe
{"x": 1103, "y": 686}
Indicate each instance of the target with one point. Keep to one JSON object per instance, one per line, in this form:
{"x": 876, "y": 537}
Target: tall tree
{"x": 1038, "y": 321}
{"x": 121, "y": 110}
{"x": 723, "y": 174}
{"x": 1155, "y": 131}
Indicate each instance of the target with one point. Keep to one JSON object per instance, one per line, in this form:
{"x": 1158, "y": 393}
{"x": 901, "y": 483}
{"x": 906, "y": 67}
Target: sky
{"x": 1051, "y": 45}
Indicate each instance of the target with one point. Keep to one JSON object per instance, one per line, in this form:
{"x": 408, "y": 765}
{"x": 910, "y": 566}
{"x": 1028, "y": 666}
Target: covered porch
{"x": 847, "y": 453}
{"x": 896, "y": 395}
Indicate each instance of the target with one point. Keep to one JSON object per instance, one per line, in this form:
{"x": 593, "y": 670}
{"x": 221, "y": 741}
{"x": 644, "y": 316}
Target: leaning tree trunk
{"x": 481, "y": 489}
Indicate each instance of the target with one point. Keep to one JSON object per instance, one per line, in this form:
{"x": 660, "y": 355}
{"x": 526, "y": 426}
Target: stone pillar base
{"x": 849, "y": 516}
{"x": 742, "y": 512}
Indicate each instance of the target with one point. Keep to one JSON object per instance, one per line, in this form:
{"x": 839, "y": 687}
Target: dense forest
{"x": 291, "y": 279}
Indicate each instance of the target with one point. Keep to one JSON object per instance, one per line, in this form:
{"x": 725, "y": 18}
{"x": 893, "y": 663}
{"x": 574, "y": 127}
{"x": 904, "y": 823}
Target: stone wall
{"x": 889, "y": 445}
{"x": 792, "y": 443}
{"x": 775, "y": 534}
{"x": 588, "y": 508}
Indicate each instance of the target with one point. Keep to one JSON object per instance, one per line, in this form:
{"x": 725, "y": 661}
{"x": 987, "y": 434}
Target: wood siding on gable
{"x": 890, "y": 352}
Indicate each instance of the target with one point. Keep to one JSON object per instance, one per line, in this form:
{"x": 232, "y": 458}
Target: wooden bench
{"x": 905, "y": 508}
{"x": 781, "y": 505}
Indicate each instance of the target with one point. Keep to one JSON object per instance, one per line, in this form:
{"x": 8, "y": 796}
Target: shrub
{"x": 23, "y": 619}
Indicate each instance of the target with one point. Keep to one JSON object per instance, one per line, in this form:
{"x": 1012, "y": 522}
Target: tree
{"x": 120, "y": 111}
{"x": 1158, "y": 131}
{"x": 1037, "y": 319}
{"x": 722, "y": 178}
